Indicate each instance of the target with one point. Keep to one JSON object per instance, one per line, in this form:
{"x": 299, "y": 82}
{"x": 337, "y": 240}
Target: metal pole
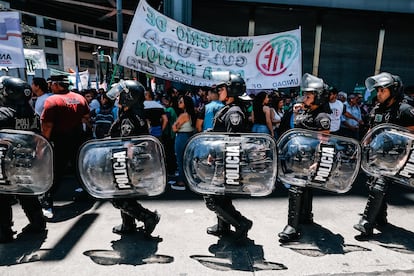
{"x": 120, "y": 31}
{"x": 316, "y": 54}
{"x": 379, "y": 51}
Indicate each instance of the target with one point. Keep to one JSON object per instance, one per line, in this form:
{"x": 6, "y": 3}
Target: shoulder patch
{"x": 325, "y": 123}
{"x": 235, "y": 118}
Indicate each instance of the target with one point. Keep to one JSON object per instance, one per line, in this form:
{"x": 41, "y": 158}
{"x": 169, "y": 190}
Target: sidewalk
{"x": 80, "y": 241}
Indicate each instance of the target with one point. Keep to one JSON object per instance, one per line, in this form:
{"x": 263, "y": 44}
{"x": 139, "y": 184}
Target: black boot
{"x": 372, "y": 209}
{"x": 128, "y": 225}
{"x": 226, "y": 212}
{"x": 306, "y": 215}
{"x": 150, "y": 220}
{"x": 135, "y": 210}
{"x": 291, "y": 230}
{"x": 220, "y": 229}
{"x": 6, "y": 223}
{"x": 381, "y": 219}
{"x": 33, "y": 210}
{"x": 243, "y": 228}
{"x": 6, "y": 233}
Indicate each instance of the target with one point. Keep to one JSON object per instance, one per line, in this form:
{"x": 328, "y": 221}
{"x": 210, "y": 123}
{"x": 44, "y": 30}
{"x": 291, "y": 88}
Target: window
{"x": 88, "y": 48}
{"x": 51, "y": 42}
{"x": 30, "y": 39}
{"x": 49, "y": 24}
{"x": 29, "y": 20}
{"x": 86, "y": 63}
{"x": 103, "y": 35}
{"x": 85, "y": 31}
{"x": 52, "y": 59}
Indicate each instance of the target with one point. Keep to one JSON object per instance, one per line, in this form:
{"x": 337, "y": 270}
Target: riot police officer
{"x": 391, "y": 108}
{"x": 16, "y": 113}
{"x": 230, "y": 118}
{"x": 313, "y": 114}
{"x": 131, "y": 122}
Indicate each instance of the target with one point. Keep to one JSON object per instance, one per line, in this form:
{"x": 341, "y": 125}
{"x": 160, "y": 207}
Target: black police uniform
{"x": 300, "y": 198}
{"x": 132, "y": 123}
{"x": 230, "y": 118}
{"x": 375, "y": 213}
{"x": 18, "y": 114}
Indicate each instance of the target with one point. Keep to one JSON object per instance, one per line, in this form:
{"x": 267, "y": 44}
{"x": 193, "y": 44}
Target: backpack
{"x": 103, "y": 121}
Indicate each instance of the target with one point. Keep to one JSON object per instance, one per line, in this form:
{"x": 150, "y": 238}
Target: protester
{"x": 62, "y": 124}
{"x": 40, "y": 89}
{"x": 261, "y": 115}
{"x": 205, "y": 118}
{"x": 184, "y": 129}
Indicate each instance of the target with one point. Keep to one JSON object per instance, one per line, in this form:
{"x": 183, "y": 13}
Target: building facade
{"x": 343, "y": 41}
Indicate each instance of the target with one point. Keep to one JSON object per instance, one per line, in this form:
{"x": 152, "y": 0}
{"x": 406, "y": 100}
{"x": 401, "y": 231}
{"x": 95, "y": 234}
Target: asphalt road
{"x": 79, "y": 240}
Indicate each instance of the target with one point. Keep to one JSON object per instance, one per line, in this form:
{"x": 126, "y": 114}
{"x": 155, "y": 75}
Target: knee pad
{"x": 210, "y": 203}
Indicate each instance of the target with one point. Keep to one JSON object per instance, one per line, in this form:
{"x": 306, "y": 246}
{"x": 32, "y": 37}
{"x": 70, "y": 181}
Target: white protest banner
{"x": 80, "y": 80}
{"x": 167, "y": 49}
{"x": 35, "y": 59}
{"x": 11, "y": 43}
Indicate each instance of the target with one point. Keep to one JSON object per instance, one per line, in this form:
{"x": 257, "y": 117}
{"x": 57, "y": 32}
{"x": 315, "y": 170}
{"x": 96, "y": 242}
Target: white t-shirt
{"x": 337, "y": 108}
{"x": 40, "y": 102}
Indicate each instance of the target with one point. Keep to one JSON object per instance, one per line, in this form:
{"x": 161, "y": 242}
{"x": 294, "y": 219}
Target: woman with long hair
{"x": 261, "y": 115}
{"x": 277, "y": 104}
{"x": 184, "y": 129}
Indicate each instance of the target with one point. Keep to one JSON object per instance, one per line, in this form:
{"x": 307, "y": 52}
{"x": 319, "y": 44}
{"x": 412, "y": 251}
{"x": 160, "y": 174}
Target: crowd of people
{"x": 69, "y": 118}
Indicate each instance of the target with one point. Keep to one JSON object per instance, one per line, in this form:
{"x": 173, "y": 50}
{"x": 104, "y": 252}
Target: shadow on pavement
{"x": 317, "y": 241}
{"x": 25, "y": 249}
{"x": 394, "y": 238}
{"x": 71, "y": 210}
{"x": 132, "y": 249}
{"x": 242, "y": 256}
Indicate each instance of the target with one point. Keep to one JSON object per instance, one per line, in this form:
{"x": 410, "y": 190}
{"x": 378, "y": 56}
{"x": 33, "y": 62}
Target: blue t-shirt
{"x": 209, "y": 113}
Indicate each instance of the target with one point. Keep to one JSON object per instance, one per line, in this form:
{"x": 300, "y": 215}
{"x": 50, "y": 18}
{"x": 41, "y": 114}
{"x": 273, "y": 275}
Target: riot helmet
{"x": 316, "y": 86}
{"x": 130, "y": 92}
{"x": 235, "y": 84}
{"x": 386, "y": 80}
{"x": 14, "y": 91}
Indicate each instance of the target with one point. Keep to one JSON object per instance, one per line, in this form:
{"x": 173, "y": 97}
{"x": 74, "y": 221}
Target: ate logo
{"x": 277, "y": 55}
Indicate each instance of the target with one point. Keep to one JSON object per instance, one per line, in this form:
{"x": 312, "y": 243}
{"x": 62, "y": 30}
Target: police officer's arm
{"x": 407, "y": 116}
{"x": 234, "y": 121}
{"x": 200, "y": 120}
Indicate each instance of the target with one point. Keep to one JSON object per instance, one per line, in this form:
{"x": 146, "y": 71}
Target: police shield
{"x": 312, "y": 159}
{"x": 218, "y": 163}
{"x": 26, "y": 163}
{"x": 122, "y": 167}
{"x": 388, "y": 150}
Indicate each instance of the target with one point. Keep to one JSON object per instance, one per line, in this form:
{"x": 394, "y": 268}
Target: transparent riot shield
{"x": 388, "y": 150}
{"x": 218, "y": 163}
{"x": 26, "y": 163}
{"x": 123, "y": 167}
{"x": 311, "y": 159}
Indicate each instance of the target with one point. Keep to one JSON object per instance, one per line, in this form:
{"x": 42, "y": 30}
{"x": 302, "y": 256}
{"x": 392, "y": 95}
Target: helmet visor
{"x": 381, "y": 80}
{"x": 221, "y": 78}
{"x": 311, "y": 83}
{"x": 115, "y": 90}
